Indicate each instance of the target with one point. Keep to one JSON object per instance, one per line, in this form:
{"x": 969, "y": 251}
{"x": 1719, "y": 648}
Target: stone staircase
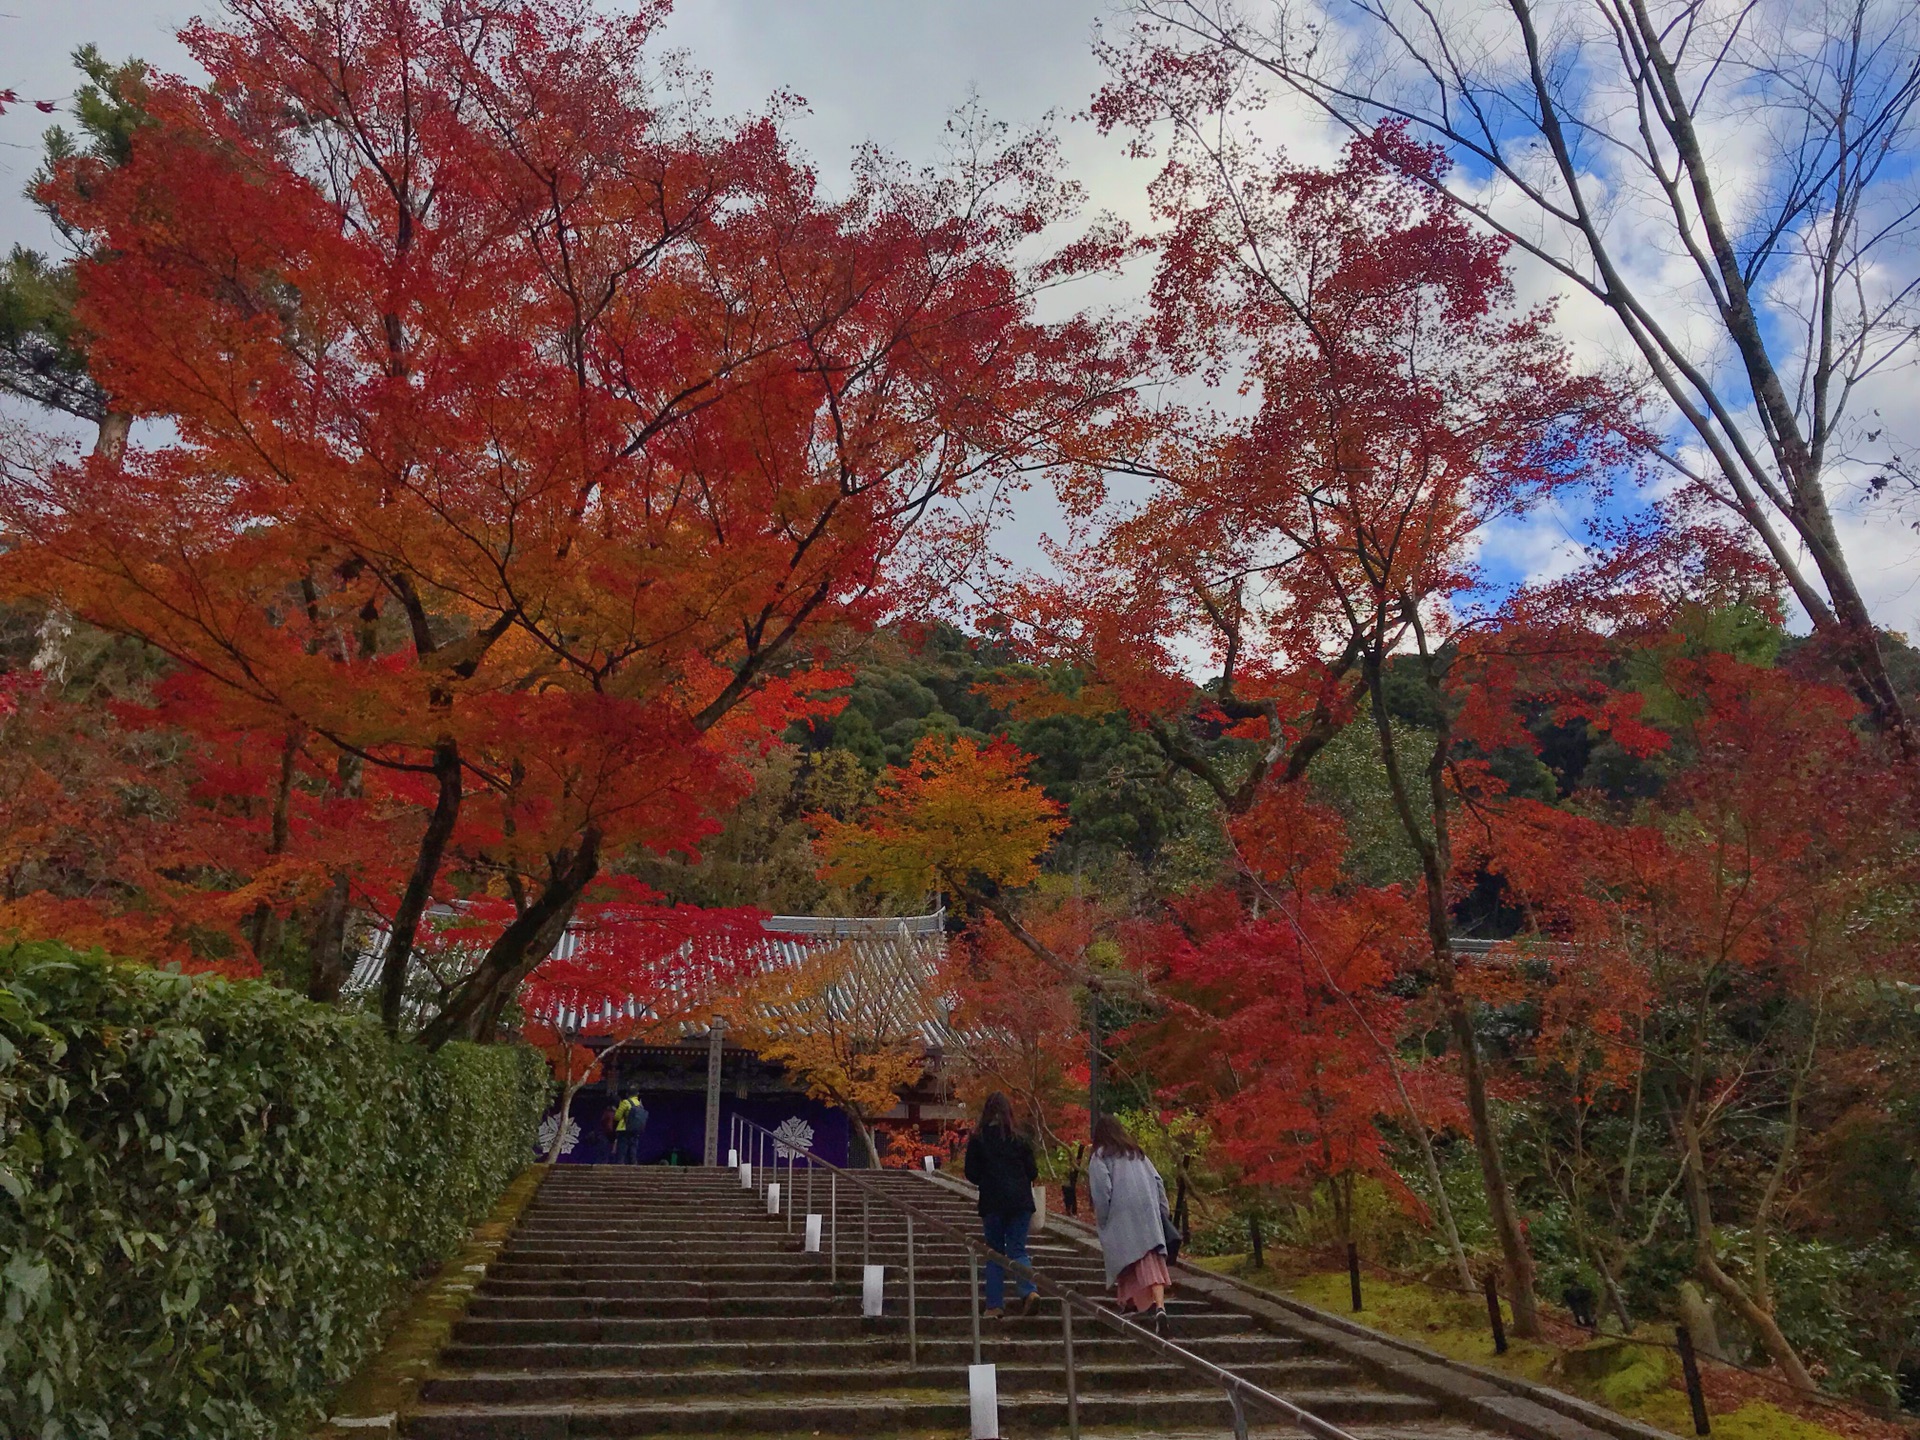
{"x": 654, "y": 1301}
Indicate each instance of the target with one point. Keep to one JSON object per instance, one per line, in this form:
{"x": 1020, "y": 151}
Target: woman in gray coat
{"x": 1130, "y": 1207}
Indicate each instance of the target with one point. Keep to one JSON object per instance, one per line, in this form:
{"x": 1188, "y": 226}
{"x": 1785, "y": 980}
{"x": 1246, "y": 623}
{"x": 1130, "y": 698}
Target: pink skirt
{"x": 1135, "y": 1285}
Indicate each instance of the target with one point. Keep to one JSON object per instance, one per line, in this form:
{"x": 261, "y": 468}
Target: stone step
{"x": 1014, "y": 1344}
{"x": 951, "y": 1302}
{"x": 528, "y": 1266}
{"x": 642, "y": 1229}
{"x": 1110, "y": 1376}
{"x": 645, "y": 1243}
{"x": 591, "y": 1330}
{"x": 911, "y": 1410}
{"x": 784, "y": 1268}
{"x": 678, "y": 1287}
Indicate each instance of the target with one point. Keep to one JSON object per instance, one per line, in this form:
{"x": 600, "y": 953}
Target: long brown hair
{"x": 1110, "y": 1138}
{"x": 997, "y": 1114}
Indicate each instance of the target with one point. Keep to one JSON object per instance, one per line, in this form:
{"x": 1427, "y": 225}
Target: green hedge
{"x": 209, "y": 1192}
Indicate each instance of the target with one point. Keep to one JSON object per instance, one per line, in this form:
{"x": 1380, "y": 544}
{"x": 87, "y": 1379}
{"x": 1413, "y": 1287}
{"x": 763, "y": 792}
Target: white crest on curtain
{"x": 551, "y": 1124}
{"x": 793, "y": 1138}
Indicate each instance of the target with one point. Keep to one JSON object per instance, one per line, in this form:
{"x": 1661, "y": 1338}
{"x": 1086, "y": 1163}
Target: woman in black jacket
{"x": 1001, "y": 1163}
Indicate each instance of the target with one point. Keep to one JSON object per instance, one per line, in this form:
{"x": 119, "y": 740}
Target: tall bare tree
{"x": 1734, "y": 182}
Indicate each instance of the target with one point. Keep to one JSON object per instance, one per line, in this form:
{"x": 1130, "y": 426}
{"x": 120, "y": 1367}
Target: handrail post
{"x": 913, "y": 1313}
{"x": 973, "y": 1279}
{"x": 866, "y": 1229}
{"x": 833, "y": 1207}
{"x": 1073, "y": 1386}
{"x": 1239, "y": 1413}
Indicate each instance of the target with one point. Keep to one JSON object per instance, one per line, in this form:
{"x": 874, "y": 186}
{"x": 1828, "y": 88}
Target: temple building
{"x": 897, "y": 959}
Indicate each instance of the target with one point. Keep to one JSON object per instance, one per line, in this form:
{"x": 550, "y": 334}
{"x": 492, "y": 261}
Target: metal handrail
{"x": 1239, "y": 1390}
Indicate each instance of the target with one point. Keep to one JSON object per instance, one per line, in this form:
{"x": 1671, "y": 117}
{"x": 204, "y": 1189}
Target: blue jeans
{"x": 1008, "y": 1235}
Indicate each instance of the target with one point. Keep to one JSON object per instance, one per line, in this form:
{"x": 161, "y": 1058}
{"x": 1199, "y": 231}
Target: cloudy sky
{"x": 889, "y": 71}
{"x": 883, "y": 70}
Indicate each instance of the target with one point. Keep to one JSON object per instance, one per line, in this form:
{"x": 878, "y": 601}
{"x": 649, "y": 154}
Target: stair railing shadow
{"x": 749, "y": 1137}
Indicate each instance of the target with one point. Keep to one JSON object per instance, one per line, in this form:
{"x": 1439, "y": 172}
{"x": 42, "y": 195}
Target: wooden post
{"x": 1253, "y": 1232}
{"x": 715, "y": 1032}
{"x": 1690, "y": 1369}
{"x": 1493, "y": 1316}
{"x": 1353, "y": 1273}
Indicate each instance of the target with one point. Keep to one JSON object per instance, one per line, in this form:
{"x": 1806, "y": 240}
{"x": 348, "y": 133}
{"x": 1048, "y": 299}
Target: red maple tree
{"x": 520, "y": 430}
{"x": 1402, "y": 404}
{"x": 1759, "y": 876}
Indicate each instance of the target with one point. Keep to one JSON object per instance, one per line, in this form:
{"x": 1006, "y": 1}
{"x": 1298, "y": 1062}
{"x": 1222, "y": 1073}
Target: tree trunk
{"x": 1435, "y": 863}
{"x": 1697, "y": 1316}
{"x": 1614, "y": 1298}
{"x": 328, "y": 964}
{"x": 1443, "y": 1207}
{"x": 474, "y": 1011}
{"x": 395, "y": 960}
{"x": 1707, "y": 1266}
{"x": 1854, "y": 643}
{"x": 567, "y": 1092}
{"x": 1486, "y": 1143}
{"x": 1764, "y": 1325}
{"x": 264, "y": 933}
{"x": 110, "y": 443}
{"x": 861, "y": 1129}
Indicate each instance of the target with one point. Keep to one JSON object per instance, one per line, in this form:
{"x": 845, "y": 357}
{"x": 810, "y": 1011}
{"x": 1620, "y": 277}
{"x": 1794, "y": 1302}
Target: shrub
{"x": 210, "y": 1192}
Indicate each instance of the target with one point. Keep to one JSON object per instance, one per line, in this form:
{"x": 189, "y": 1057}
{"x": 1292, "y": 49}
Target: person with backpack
{"x": 629, "y": 1124}
{"x": 1000, "y": 1162}
{"x": 1130, "y": 1207}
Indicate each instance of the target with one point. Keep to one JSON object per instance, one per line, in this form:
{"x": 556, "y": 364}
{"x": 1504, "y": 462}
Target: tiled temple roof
{"x": 898, "y": 961}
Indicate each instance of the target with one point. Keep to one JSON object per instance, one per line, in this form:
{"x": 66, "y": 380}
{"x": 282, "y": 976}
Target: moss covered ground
{"x": 376, "y": 1397}
{"x": 1638, "y": 1381}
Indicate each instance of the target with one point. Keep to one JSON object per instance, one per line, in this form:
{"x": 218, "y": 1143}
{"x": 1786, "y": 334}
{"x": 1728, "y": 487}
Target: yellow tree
{"x": 851, "y": 1023}
{"x": 963, "y": 819}
{"x": 959, "y": 818}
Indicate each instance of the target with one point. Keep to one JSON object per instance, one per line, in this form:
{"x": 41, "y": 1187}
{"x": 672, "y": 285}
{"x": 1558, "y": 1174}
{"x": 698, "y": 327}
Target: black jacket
{"x": 1002, "y": 1166}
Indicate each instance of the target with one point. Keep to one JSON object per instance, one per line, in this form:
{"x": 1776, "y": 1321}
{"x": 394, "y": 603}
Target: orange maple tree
{"x": 852, "y": 1028}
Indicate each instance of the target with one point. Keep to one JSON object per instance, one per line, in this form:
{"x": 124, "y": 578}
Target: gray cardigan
{"x": 1129, "y": 1197}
